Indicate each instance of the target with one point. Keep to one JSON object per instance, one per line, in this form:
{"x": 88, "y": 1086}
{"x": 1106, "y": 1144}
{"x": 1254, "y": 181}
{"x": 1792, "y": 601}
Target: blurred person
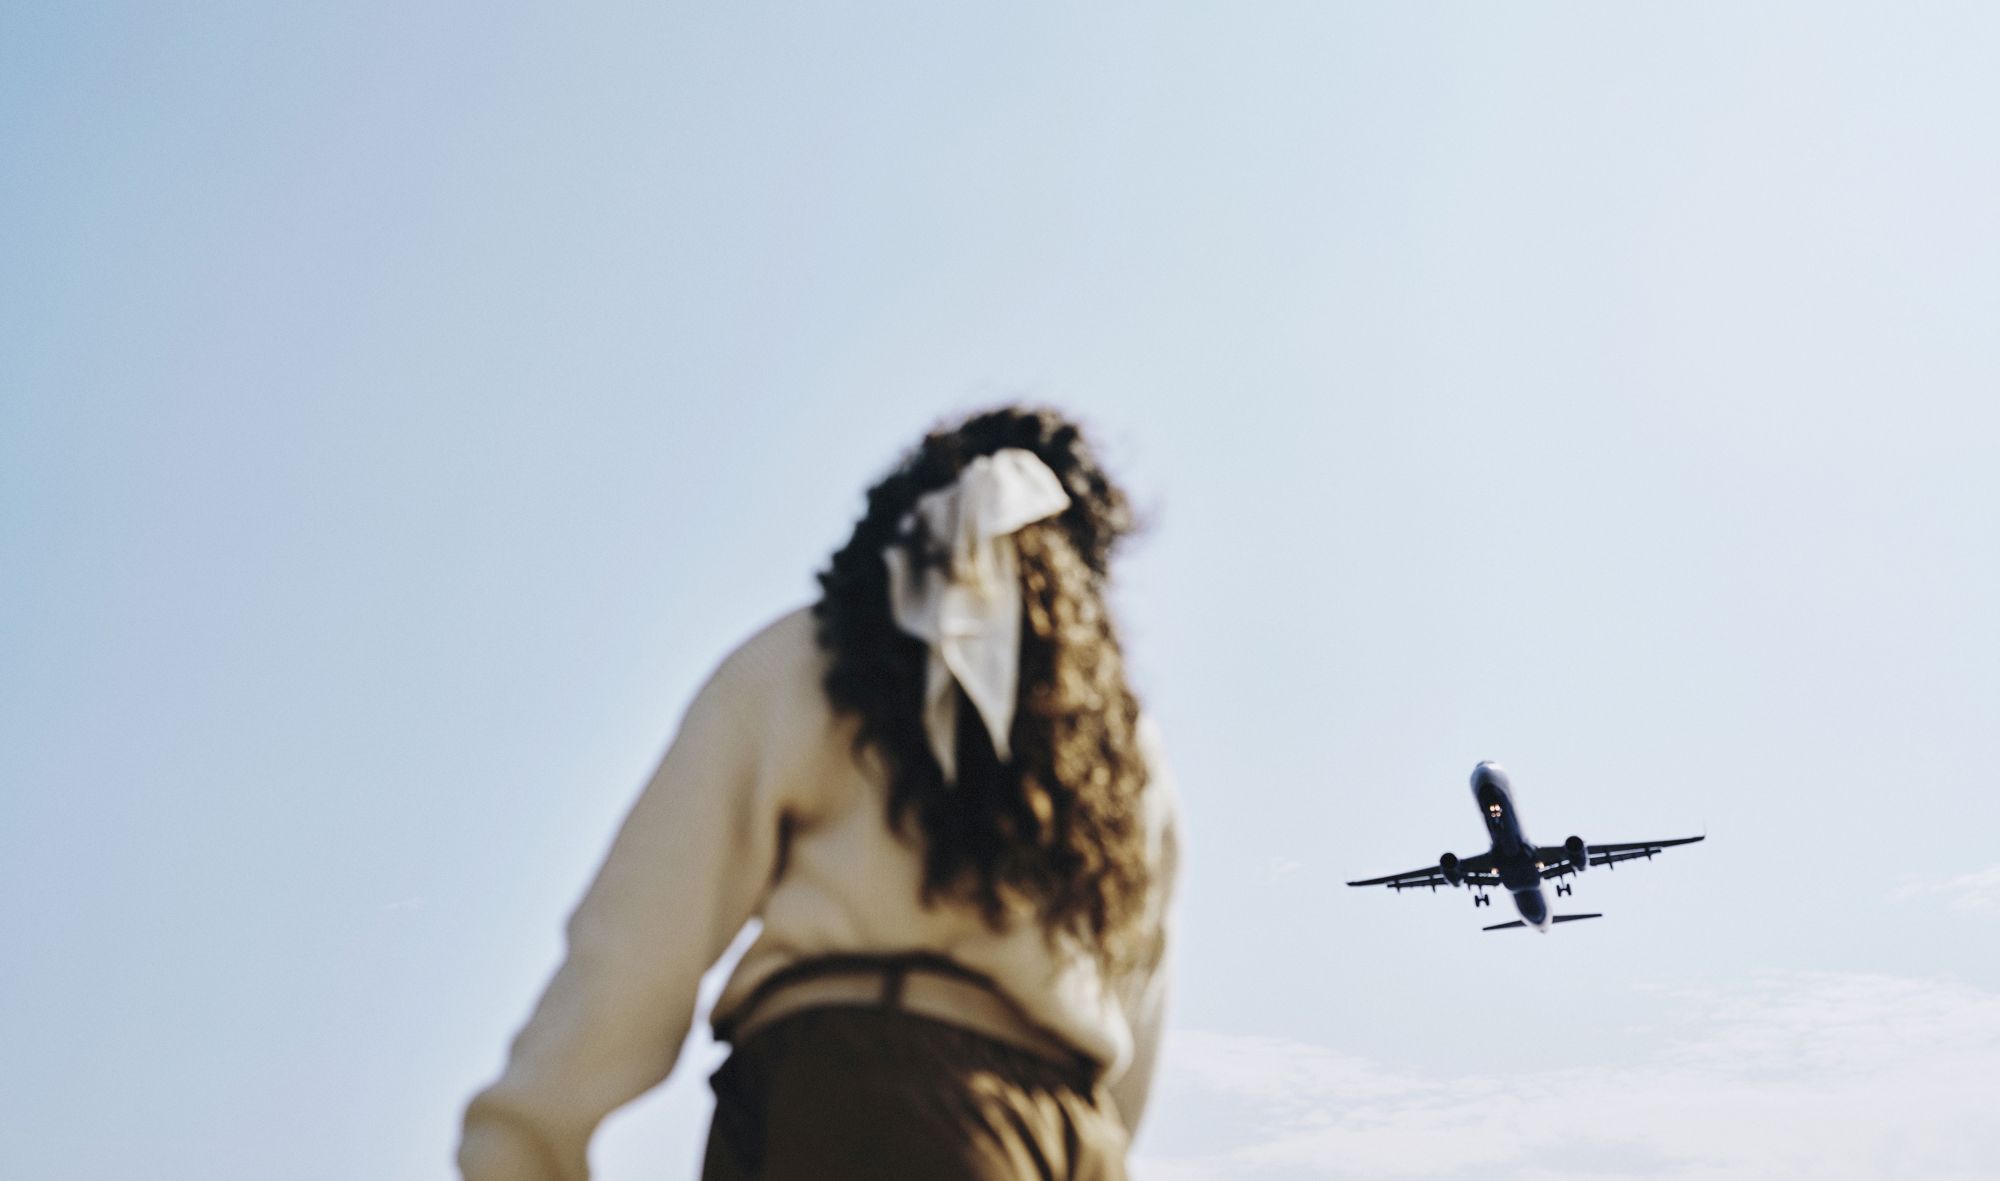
{"x": 937, "y": 792}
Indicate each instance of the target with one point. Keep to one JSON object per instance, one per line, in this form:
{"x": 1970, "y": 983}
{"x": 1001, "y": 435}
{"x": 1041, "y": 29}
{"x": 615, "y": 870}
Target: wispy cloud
{"x": 1969, "y": 893}
{"x": 1830, "y": 1075}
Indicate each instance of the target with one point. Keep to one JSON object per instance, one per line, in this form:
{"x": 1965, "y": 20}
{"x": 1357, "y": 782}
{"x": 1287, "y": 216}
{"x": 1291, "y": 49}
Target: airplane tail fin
{"x": 1561, "y": 918}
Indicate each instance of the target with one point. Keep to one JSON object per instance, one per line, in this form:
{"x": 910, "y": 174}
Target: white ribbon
{"x": 969, "y": 608}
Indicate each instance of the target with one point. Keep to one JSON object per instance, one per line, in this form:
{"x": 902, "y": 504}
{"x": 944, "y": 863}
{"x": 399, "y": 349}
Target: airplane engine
{"x": 1578, "y": 853}
{"x": 1448, "y": 866}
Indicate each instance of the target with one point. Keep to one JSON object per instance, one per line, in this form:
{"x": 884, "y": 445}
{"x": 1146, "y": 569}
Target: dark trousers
{"x": 871, "y": 1094}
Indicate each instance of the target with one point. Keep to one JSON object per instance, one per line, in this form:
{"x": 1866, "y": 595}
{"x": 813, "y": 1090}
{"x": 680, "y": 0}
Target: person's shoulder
{"x": 1160, "y": 804}
{"x": 780, "y": 652}
{"x": 790, "y": 637}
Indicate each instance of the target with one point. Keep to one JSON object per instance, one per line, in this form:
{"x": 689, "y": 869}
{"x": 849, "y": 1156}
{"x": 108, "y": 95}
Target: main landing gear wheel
{"x": 1562, "y": 888}
{"x": 1481, "y": 900}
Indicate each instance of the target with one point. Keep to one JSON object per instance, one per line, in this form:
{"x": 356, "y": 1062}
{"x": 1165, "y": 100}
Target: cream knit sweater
{"x": 761, "y": 753}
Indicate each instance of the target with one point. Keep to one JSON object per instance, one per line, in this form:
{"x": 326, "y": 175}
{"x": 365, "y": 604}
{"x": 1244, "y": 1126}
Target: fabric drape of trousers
{"x": 850, "y": 1093}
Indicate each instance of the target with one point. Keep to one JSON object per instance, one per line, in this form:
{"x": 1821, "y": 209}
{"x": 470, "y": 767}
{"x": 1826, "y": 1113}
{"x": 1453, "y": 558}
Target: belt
{"x": 928, "y": 986}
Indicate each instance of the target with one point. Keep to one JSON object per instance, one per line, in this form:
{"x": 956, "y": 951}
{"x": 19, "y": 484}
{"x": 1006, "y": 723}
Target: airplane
{"x": 1517, "y": 863}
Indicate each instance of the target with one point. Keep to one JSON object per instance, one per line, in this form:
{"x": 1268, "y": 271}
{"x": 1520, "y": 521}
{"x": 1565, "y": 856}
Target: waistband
{"x": 925, "y": 985}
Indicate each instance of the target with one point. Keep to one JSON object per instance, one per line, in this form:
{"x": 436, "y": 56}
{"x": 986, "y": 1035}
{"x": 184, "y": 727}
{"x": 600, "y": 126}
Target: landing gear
{"x": 1481, "y": 899}
{"x": 1562, "y": 888}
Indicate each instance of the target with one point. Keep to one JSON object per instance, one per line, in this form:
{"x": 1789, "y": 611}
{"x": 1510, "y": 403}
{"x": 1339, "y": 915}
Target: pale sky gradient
{"x": 403, "y": 406}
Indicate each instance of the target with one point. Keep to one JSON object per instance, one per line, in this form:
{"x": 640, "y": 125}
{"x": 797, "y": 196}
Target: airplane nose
{"x": 1488, "y": 772}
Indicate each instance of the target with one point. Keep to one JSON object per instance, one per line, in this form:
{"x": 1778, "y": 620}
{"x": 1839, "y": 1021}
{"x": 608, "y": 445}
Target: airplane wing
{"x": 1473, "y": 871}
{"x": 1555, "y": 860}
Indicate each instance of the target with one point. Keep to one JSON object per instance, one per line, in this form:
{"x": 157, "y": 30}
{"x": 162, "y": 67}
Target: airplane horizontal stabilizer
{"x": 1561, "y": 918}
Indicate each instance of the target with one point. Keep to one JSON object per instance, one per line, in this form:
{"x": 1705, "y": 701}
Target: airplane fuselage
{"x": 1514, "y": 855}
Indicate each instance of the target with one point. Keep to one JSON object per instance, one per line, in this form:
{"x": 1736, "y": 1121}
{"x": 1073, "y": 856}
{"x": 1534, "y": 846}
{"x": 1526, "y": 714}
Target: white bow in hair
{"x": 968, "y": 608}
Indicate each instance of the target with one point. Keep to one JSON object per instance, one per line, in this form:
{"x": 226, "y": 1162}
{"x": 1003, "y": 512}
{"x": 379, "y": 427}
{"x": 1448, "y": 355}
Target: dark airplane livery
{"x": 1517, "y": 863}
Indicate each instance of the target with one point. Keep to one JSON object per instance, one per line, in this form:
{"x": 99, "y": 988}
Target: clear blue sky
{"x": 403, "y": 406}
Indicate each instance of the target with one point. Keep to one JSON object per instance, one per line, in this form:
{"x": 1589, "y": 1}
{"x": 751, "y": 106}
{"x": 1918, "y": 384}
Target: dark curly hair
{"x": 1056, "y": 830}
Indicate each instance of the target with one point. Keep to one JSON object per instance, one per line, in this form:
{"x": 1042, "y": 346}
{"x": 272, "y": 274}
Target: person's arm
{"x": 1144, "y": 992}
{"x": 688, "y": 868}
{"x": 1146, "y": 1008}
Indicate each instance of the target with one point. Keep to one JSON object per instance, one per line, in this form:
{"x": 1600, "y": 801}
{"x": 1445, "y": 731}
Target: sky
{"x": 404, "y": 406}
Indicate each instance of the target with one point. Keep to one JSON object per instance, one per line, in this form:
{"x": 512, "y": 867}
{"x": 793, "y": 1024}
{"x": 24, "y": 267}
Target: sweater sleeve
{"x": 688, "y": 868}
{"x": 1144, "y": 991}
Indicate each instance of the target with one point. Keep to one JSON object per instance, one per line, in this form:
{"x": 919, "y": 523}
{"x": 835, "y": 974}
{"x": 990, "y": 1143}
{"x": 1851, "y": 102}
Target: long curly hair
{"x": 1054, "y": 832}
